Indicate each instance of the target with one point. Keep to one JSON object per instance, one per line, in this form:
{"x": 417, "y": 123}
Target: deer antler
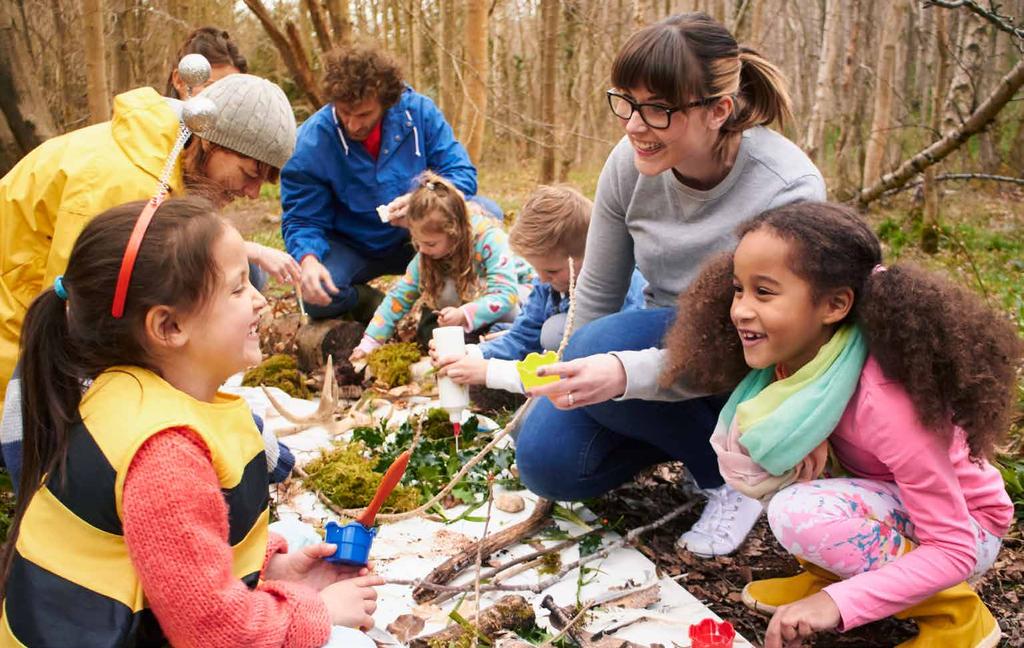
{"x": 324, "y": 414}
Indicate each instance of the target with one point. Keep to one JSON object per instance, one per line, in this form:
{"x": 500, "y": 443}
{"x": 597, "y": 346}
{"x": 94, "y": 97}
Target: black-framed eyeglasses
{"x": 656, "y": 116}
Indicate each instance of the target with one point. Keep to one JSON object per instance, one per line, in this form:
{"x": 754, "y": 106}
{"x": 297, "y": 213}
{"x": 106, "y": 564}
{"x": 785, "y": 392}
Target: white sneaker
{"x": 723, "y": 526}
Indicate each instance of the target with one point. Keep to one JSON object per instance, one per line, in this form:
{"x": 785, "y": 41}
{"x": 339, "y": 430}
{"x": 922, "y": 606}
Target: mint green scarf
{"x": 781, "y": 422}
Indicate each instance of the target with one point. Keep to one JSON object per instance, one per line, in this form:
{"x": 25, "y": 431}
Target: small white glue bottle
{"x": 451, "y": 341}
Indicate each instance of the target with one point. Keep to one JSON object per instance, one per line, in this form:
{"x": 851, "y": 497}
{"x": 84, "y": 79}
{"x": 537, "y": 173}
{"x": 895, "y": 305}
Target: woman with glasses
{"x": 696, "y": 160}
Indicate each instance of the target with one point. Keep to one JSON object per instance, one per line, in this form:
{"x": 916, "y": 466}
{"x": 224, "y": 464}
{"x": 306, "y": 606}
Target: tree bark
{"x": 320, "y": 28}
{"x": 984, "y": 114}
{"x": 962, "y": 95}
{"x": 931, "y": 215}
{"x": 511, "y": 612}
{"x": 95, "y": 61}
{"x": 881, "y": 121}
{"x": 821, "y": 108}
{"x": 295, "y": 61}
{"x": 22, "y": 97}
{"x": 447, "y": 58}
{"x": 474, "y": 103}
{"x": 549, "y": 53}
{"x": 337, "y": 11}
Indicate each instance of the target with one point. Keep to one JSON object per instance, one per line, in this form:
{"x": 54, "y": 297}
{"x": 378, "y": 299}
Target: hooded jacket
{"x": 50, "y": 195}
{"x": 331, "y": 184}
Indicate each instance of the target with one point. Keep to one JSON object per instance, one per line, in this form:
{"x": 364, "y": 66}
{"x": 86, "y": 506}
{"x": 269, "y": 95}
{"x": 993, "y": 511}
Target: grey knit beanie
{"x": 254, "y": 118}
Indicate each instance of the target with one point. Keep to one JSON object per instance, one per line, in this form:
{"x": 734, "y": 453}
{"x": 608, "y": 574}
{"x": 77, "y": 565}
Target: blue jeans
{"x": 349, "y": 266}
{"x": 582, "y": 453}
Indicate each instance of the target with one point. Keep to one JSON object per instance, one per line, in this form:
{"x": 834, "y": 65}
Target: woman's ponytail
{"x": 762, "y": 98}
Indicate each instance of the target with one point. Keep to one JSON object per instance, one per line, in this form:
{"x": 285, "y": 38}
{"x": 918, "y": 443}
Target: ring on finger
{"x": 571, "y": 399}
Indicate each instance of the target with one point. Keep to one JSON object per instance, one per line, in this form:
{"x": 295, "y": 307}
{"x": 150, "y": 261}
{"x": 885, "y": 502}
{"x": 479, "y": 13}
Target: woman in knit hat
{"x": 49, "y": 196}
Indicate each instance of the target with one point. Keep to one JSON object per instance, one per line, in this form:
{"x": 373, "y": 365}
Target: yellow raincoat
{"x": 49, "y": 196}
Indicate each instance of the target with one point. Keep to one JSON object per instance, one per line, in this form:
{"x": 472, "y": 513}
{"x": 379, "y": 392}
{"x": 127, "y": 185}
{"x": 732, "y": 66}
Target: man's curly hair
{"x": 955, "y": 357}
{"x": 362, "y": 71}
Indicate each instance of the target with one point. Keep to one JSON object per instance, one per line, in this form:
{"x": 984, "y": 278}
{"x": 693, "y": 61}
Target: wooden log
{"x": 448, "y": 570}
{"x": 320, "y": 338}
{"x": 509, "y": 613}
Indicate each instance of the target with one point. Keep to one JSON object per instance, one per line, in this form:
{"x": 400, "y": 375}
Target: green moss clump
{"x": 438, "y": 424}
{"x": 550, "y": 563}
{"x": 390, "y": 363}
{"x": 279, "y": 371}
{"x": 347, "y": 478}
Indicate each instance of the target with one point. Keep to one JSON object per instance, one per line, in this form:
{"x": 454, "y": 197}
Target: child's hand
{"x": 352, "y": 602}
{"x": 451, "y": 316}
{"x": 793, "y": 623}
{"x": 357, "y": 355}
{"x": 307, "y": 566}
{"x": 465, "y": 370}
{"x": 432, "y": 350}
{"x": 811, "y": 466}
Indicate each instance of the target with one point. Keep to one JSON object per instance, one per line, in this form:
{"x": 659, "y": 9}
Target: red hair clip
{"x": 124, "y": 276}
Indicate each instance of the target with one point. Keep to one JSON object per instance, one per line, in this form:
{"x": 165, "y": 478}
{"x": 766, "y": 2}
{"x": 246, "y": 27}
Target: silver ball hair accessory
{"x": 194, "y": 70}
{"x": 199, "y": 114}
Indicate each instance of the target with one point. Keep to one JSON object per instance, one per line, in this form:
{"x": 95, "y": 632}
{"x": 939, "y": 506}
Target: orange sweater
{"x": 176, "y": 528}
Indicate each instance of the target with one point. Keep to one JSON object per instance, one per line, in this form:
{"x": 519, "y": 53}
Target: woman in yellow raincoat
{"x": 49, "y": 196}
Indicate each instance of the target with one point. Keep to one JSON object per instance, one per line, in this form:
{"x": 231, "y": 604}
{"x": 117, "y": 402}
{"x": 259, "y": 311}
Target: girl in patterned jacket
{"x": 463, "y": 268}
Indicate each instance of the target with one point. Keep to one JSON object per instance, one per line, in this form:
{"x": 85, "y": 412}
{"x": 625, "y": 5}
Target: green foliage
{"x": 434, "y": 463}
{"x": 6, "y": 505}
{"x": 390, "y": 363}
{"x": 279, "y": 371}
{"x": 438, "y": 424}
{"x": 1012, "y": 470}
{"x": 349, "y": 478}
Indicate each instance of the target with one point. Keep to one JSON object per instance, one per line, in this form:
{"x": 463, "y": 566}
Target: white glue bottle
{"x": 451, "y": 341}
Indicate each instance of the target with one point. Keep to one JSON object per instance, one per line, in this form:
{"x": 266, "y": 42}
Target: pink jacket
{"x": 880, "y": 437}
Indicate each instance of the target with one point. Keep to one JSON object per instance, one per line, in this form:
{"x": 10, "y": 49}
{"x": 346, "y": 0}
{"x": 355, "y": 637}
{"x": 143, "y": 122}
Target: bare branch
{"x": 1002, "y": 22}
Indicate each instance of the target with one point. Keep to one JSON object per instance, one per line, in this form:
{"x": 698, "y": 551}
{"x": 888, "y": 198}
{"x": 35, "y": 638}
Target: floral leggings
{"x": 849, "y": 526}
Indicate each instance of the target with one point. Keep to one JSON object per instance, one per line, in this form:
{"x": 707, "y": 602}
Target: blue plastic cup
{"x": 353, "y": 541}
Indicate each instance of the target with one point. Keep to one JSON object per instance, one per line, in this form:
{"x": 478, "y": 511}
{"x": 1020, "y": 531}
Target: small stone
{"x": 509, "y": 503}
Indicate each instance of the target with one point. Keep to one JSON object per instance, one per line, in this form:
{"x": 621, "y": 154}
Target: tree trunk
{"x": 881, "y": 121}
{"x": 821, "y": 108}
{"x": 985, "y": 113}
{"x": 549, "y": 53}
{"x": 962, "y": 95}
{"x": 415, "y": 44}
{"x": 571, "y": 49}
{"x": 337, "y": 11}
{"x": 295, "y": 61}
{"x": 316, "y": 16}
{"x": 95, "y": 61}
{"x": 474, "y": 103}
{"x": 447, "y": 58}
{"x": 931, "y": 215}
{"x": 22, "y": 97}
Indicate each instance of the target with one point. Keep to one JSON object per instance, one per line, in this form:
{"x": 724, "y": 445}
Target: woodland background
{"x": 912, "y": 109}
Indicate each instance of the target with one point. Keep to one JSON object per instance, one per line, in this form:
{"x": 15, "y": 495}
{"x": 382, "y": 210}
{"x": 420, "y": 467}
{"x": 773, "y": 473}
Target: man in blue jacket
{"x": 360, "y": 152}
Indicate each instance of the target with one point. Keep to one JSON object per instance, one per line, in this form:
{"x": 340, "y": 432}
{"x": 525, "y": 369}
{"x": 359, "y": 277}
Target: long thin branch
{"x": 1002, "y": 22}
{"x": 958, "y": 176}
{"x": 984, "y": 113}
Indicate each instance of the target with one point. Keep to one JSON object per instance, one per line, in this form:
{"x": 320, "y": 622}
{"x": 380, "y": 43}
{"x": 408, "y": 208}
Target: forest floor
{"x": 981, "y": 245}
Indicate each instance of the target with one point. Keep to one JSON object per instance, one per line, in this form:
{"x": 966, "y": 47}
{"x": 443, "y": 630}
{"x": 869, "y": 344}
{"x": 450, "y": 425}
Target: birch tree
{"x": 881, "y": 121}
{"x": 821, "y": 107}
{"x": 95, "y": 61}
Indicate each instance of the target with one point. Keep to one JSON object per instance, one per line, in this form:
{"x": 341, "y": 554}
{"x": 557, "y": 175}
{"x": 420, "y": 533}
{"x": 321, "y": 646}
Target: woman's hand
{"x": 307, "y": 566}
{"x": 352, "y": 602}
{"x": 278, "y": 264}
{"x": 793, "y": 623}
{"x": 585, "y": 381}
{"x": 466, "y": 370}
{"x": 451, "y": 316}
{"x": 316, "y": 282}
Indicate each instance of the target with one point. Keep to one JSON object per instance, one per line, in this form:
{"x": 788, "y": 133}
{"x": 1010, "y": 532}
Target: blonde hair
{"x": 438, "y": 207}
{"x": 554, "y": 220}
{"x": 692, "y": 57}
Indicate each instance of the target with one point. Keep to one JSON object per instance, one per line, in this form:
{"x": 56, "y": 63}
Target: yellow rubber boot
{"x": 953, "y": 617}
{"x": 767, "y": 595}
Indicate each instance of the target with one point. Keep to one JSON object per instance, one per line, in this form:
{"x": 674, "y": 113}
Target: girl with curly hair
{"x": 463, "y": 268}
{"x": 910, "y": 380}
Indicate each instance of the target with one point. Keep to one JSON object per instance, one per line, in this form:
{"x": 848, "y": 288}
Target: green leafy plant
{"x": 279, "y": 371}
{"x": 349, "y": 478}
{"x": 390, "y": 363}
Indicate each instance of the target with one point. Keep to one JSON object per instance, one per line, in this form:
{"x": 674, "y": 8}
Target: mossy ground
{"x": 279, "y": 371}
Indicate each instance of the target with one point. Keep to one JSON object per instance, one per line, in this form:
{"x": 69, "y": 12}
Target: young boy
{"x": 551, "y": 228}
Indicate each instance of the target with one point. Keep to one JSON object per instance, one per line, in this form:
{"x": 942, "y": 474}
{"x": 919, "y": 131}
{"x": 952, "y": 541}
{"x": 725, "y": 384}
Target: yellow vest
{"x": 72, "y": 582}
{"x": 50, "y": 195}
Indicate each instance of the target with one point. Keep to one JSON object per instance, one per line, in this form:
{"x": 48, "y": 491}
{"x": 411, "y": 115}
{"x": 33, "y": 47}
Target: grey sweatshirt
{"x": 668, "y": 230}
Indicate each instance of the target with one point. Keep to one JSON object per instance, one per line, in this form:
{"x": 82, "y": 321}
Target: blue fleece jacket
{"x": 524, "y": 335}
{"x": 332, "y": 184}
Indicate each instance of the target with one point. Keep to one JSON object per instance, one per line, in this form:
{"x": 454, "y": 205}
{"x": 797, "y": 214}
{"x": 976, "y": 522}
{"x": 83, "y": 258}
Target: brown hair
{"x": 65, "y": 343}
{"x": 195, "y": 157}
{"x": 955, "y": 357}
{"x": 437, "y": 206}
{"x": 554, "y": 220}
{"x": 358, "y": 72}
{"x": 213, "y": 43}
{"x": 690, "y": 57}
